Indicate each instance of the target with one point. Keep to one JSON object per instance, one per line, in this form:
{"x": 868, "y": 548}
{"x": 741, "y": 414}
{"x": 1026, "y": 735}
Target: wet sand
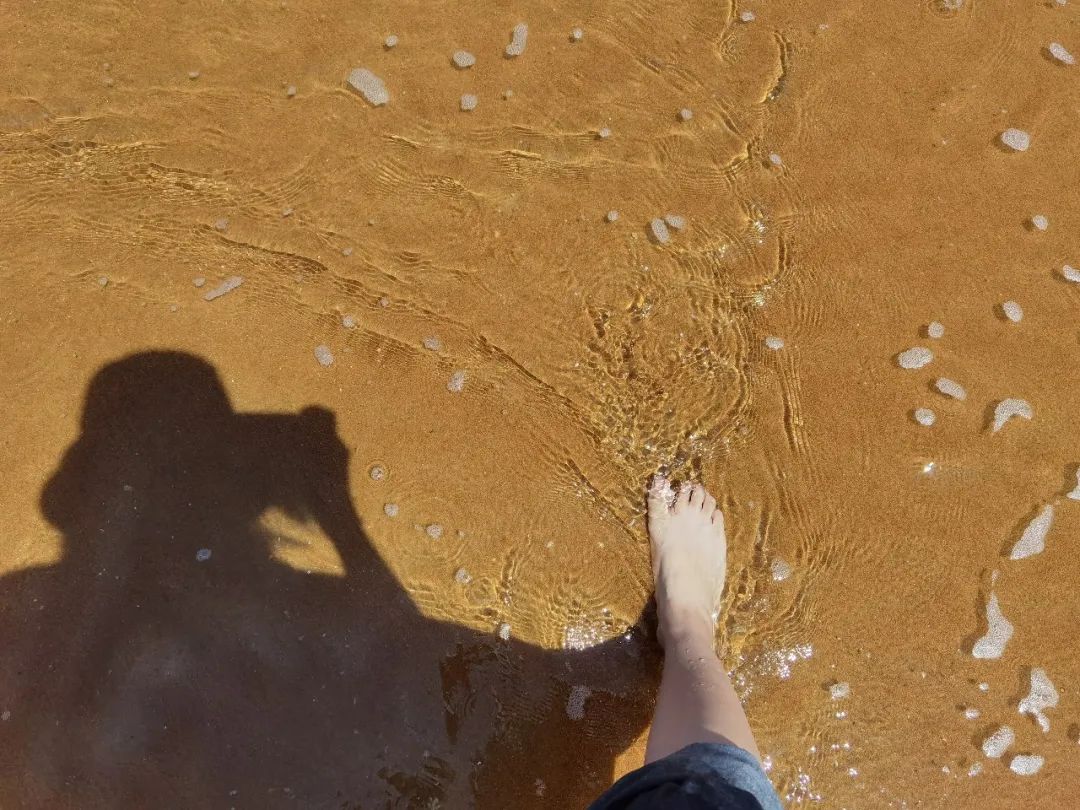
{"x": 591, "y": 355}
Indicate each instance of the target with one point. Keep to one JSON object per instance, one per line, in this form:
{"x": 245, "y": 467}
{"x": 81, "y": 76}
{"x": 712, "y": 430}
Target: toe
{"x": 660, "y": 496}
{"x": 709, "y": 505}
{"x": 683, "y": 497}
{"x": 718, "y": 519}
{"x": 697, "y": 495}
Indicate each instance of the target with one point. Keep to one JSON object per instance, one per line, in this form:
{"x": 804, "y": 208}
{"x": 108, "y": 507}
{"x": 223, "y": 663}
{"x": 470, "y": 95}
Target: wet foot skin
{"x": 689, "y": 555}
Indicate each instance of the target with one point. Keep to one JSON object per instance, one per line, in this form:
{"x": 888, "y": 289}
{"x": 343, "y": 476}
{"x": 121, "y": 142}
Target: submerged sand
{"x": 328, "y": 415}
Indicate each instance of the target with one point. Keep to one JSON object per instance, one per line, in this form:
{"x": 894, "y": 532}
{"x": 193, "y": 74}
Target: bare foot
{"x": 689, "y": 555}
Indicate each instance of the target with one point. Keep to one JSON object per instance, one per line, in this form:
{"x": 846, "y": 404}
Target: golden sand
{"x": 205, "y": 596}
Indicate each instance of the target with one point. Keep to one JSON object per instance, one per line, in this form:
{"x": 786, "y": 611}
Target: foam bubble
{"x": 348, "y": 321}
{"x": 998, "y": 632}
{"x": 457, "y": 382}
{"x": 504, "y": 631}
{"x": 1026, "y": 764}
{"x": 1058, "y": 51}
{"x": 660, "y": 231}
{"x": 369, "y": 85}
{"x": 604, "y": 133}
{"x": 971, "y": 713}
{"x": 1007, "y": 409}
{"x": 839, "y": 691}
{"x": 222, "y": 224}
{"x": 434, "y": 531}
{"x": 685, "y": 114}
{"x": 747, "y": 16}
{"x": 433, "y": 343}
{"x": 290, "y": 91}
{"x": 577, "y": 35}
{"x": 517, "y": 40}
{"x": 462, "y": 577}
{"x": 203, "y": 554}
{"x": 915, "y": 357}
{"x": 1033, "y": 540}
{"x": 612, "y": 215}
{"x": 776, "y": 160}
{"x": 199, "y": 282}
{"x": 676, "y": 221}
{"x": 774, "y": 343}
{"x": 1041, "y": 696}
{"x": 390, "y": 509}
{"x": 998, "y": 743}
{"x": 1012, "y": 311}
{"x": 1016, "y": 139}
{"x": 781, "y": 569}
{"x": 227, "y": 286}
{"x": 925, "y": 417}
{"x": 468, "y": 102}
{"x": 391, "y": 41}
{"x": 1040, "y": 222}
{"x": 1070, "y": 273}
{"x": 1075, "y": 494}
{"x": 575, "y": 703}
{"x": 377, "y": 473}
{"x": 463, "y": 59}
{"x": 935, "y": 330}
{"x": 950, "y": 388}
{"x": 324, "y": 355}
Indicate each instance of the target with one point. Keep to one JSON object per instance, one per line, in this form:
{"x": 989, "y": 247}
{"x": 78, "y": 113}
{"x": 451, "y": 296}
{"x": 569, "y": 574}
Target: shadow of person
{"x": 138, "y": 673}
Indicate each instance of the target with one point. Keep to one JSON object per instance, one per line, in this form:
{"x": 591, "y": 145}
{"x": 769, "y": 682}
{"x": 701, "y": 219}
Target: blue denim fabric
{"x": 703, "y": 775}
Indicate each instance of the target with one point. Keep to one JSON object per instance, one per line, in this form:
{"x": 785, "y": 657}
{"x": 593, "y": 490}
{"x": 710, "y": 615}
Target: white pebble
{"x": 464, "y": 59}
{"x": 517, "y": 40}
{"x": 462, "y": 577}
{"x": 1033, "y": 539}
{"x": 6, "y": 715}
{"x": 391, "y": 41}
{"x": 577, "y": 35}
{"x": 776, "y": 160}
{"x": 227, "y": 286}
{"x": 323, "y": 355}
{"x": 468, "y": 102}
{"x": 935, "y": 330}
{"x": 915, "y": 357}
{"x": 348, "y": 321}
{"x": 370, "y": 86}
{"x": 390, "y": 509}
{"x": 433, "y": 343}
{"x": 604, "y": 133}
{"x": 1070, "y": 273}
{"x": 839, "y": 691}
{"x": 950, "y": 388}
{"x": 504, "y": 631}
{"x": 925, "y": 417}
{"x": 434, "y": 531}
{"x": 1057, "y": 50}
{"x": 1040, "y": 222}
{"x": 222, "y": 224}
{"x": 781, "y": 570}
{"x": 1075, "y": 494}
{"x": 1041, "y": 696}
{"x": 998, "y": 632}
{"x": 203, "y": 554}
{"x": 384, "y": 302}
{"x": 347, "y": 252}
{"x": 612, "y": 216}
{"x": 971, "y": 713}
{"x": 1026, "y": 764}
{"x": 1007, "y": 409}
{"x": 199, "y": 281}
{"x": 774, "y": 343}
{"x": 193, "y": 74}
{"x": 676, "y": 221}
{"x": 1016, "y": 139}
{"x": 747, "y": 16}
{"x": 103, "y": 281}
{"x": 660, "y": 231}
{"x": 290, "y": 91}
{"x": 1012, "y": 311}
{"x": 685, "y": 114}
{"x": 998, "y": 743}
{"x": 575, "y": 703}
{"x": 287, "y": 212}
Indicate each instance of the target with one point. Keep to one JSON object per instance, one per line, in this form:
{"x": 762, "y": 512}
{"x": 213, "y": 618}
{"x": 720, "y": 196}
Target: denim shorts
{"x": 700, "y": 776}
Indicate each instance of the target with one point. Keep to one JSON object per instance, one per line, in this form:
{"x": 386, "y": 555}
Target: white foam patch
{"x": 998, "y": 743}
{"x": 468, "y": 102}
{"x": 935, "y": 330}
{"x": 774, "y": 343}
{"x": 517, "y": 40}
{"x": 227, "y": 286}
{"x": 1033, "y": 539}
{"x": 998, "y": 632}
{"x": 951, "y": 388}
{"x": 660, "y": 231}
{"x": 781, "y": 569}
{"x": 1016, "y": 139}
{"x": 1026, "y": 764}
{"x": 370, "y": 86}
{"x": 915, "y": 357}
{"x": 925, "y": 417}
{"x": 839, "y": 691}
{"x": 463, "y": 59}
{"x": 575, "y": 703}
{"x": 1040, "y": 222}
{"x": 1013, "y": 311}
{"x": 1042, "y": 696}
{"x": 1075, "y": 494}
{"x": 1008, "y": 408}
{"x": 391, "y": 41}
{"x": 676, "y": 221}
{"x": 457, "y": 382}
{"x": 1070, "y": 273}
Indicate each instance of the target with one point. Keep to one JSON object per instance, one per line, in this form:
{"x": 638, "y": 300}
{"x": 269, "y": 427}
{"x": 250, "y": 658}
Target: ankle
{"x": 687, "y": 627}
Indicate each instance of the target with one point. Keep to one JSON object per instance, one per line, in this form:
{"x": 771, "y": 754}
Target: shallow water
{"x": 321, "y": 657}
